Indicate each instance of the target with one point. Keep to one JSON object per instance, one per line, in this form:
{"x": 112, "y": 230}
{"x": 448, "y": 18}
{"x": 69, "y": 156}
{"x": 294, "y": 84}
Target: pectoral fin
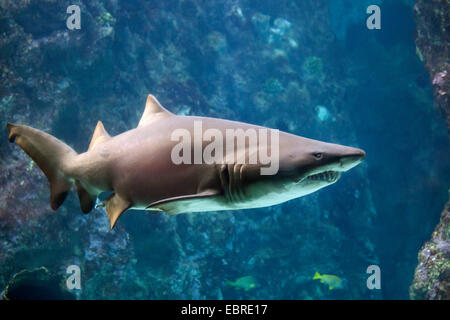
{"x": 182, "y": 204}
{"x": 115, "y": 206}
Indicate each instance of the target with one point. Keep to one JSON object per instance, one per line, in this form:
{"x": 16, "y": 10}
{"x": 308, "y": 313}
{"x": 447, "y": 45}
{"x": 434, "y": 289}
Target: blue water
{"x": 307, "y": 67}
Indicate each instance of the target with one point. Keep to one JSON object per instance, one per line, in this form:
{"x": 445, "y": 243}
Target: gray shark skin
{"x": 137, "y": 167}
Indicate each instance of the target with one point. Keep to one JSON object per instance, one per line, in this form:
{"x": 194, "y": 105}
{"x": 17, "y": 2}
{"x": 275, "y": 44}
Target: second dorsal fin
{"x": 99, "y": 135}
{"x": 153, "y": 110}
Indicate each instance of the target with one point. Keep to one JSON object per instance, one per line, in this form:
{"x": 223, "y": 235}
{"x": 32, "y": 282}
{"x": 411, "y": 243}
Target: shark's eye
{"x": 318, "y": 155}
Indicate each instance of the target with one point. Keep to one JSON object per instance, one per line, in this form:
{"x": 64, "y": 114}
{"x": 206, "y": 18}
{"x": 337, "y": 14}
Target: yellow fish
{"x": 246, "y": 283}
{"x": 333, "y": 282}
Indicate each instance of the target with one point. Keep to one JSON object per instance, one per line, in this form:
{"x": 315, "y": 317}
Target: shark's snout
{"x": 359, "y": 153}
{"x": 351, "y": 159}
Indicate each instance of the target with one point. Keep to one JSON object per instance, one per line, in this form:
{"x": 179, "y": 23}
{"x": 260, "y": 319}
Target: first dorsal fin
{"x": 99, "y": 135}
{"x": 153, "y": 110}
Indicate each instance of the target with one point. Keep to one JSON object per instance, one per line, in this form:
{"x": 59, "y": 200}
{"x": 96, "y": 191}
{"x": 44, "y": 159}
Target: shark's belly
{"x": 215, "y": 203}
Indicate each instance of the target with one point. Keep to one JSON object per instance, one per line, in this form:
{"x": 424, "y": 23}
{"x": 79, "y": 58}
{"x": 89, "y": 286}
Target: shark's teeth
{"x": 326, "y": 176}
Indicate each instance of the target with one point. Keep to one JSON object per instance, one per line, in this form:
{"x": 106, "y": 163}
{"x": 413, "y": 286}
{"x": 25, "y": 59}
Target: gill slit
{"x": 230, "y": 179}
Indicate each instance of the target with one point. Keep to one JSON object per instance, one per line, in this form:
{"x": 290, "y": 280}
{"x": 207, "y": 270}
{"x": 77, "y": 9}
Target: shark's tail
{"x": 50, "y": 154}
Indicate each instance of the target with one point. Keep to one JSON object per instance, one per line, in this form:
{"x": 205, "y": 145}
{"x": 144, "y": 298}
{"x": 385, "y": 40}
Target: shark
{"x": 138, "y": 170}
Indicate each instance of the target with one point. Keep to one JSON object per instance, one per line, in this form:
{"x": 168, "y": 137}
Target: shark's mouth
{"x": 326, "y": 176}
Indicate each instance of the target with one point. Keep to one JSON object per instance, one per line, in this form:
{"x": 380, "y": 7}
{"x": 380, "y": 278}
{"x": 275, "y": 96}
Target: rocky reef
{"x": 432, "y": 40}
{"x": 37, "y": 284}
{"x": 279, "y": 64}
{"x": 432, "y": 275}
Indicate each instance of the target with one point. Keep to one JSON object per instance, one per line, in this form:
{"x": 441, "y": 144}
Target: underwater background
{"x": 308, "y": 67}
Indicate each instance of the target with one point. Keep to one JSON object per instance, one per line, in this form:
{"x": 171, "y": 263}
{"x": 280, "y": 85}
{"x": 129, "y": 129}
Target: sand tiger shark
{"x": 137, "y": 167}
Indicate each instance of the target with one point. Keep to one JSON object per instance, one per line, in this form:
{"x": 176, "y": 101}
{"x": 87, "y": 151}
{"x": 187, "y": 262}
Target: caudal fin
{"x": 316, "y": 276}
{"x": 50, "y": 154}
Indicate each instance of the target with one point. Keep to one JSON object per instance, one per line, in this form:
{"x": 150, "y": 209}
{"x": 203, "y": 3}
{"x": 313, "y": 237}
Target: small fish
{"x": 246, "y": 283}
{"x": 333, "y": 282}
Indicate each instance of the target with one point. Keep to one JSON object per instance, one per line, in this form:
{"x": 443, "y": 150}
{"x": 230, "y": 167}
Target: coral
{"x": 313, "y": 66}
